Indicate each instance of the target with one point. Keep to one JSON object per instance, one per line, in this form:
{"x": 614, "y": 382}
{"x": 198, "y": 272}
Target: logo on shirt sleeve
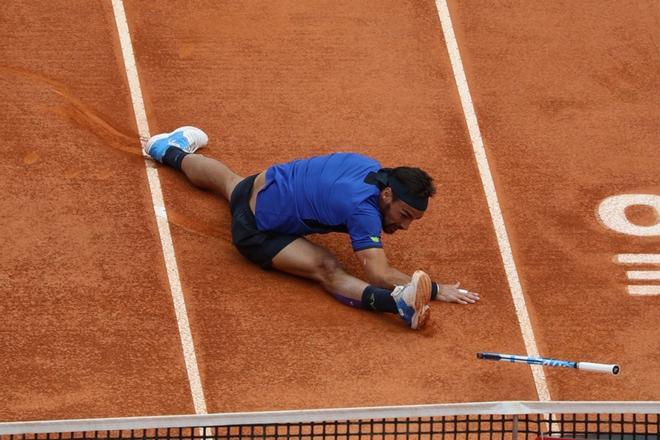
{"x": 375, "y": 239}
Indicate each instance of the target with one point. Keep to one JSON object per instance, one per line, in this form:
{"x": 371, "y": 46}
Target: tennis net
{"x": 489, "y": 420}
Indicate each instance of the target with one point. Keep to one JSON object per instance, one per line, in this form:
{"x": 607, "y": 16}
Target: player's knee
{"x": 327, "y": 269}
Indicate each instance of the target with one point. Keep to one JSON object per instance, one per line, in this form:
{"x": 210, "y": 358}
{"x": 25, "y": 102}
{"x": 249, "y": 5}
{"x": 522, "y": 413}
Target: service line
{"x": 491, "y": 196}
{"x": 161, "y": 214}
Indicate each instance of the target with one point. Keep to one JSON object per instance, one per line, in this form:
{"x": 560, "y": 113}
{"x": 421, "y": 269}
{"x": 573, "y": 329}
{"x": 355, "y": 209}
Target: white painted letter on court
{"x": 612, "y": 213}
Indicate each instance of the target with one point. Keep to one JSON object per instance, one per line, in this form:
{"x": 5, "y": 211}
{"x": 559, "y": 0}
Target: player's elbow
{"x": 376, "y": 268}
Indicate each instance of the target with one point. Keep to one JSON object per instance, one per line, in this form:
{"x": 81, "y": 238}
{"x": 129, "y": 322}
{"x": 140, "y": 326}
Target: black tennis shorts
{"x": 260, "y": 247}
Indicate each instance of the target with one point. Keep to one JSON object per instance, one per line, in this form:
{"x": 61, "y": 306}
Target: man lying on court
{"x": 343, "y": 192}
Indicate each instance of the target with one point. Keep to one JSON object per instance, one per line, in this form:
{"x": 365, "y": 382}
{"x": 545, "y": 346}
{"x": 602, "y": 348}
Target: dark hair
{"x": 417, "y": 181}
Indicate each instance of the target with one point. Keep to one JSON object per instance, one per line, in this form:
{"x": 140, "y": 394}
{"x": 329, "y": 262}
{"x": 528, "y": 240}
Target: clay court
{"x": 564, "y": 105}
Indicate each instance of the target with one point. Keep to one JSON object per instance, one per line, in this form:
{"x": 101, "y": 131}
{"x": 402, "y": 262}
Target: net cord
{"x": 321, "y": 415}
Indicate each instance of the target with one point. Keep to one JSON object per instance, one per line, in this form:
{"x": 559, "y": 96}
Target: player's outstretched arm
{"x": 378, "y": 271}
{"x": 381, "y": 274}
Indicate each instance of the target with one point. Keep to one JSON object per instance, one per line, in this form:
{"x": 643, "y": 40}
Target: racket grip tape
{"x": 599, "y": 368}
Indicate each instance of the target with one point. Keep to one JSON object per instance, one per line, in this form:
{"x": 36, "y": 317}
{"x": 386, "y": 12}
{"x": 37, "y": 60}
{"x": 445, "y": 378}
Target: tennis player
{"x": 343, "y": 192}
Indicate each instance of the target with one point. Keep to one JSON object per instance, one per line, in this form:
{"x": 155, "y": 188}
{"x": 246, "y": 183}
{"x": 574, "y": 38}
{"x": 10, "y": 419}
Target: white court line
{"x": 643, "y": 274}
{"x": 638, "y": 258}
{"x": 644, "y": 290}
{"x": 491, "y": 197}
{"x": 160, "y": 212}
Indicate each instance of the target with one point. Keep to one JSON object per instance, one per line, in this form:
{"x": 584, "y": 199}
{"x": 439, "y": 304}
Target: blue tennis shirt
{"x": 322, "y": 194}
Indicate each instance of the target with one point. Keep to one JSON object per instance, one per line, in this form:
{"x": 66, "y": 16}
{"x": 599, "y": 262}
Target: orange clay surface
{"x": 567, "y": 102}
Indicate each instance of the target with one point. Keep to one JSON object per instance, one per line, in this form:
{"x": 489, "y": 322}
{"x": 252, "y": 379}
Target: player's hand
{"x": 451, "y": 293}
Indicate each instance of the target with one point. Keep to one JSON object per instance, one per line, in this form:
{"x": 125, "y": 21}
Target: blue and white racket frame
{"x": 547, "y": 362}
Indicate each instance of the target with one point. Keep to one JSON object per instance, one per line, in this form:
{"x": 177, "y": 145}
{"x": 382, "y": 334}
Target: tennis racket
{"x": 546, "y": 362}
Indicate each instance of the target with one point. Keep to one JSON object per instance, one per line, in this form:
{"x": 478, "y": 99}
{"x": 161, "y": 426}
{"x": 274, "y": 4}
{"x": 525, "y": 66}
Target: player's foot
{"x": 413, "y": 299}
{"x": 188, "y": 139}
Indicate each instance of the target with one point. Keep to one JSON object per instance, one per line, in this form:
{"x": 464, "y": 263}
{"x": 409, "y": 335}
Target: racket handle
{"x": 599, "y": 368}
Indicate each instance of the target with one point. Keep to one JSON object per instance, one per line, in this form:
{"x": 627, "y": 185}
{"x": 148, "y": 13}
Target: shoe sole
{"x": 422, "y": 284}
{"x": 158, "y": 137}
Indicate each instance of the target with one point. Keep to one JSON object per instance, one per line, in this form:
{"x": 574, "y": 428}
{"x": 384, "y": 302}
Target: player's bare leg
{"x": 306, "y": 259}
{"x": 210, "y": 174}
{"x": 174, "y": 149}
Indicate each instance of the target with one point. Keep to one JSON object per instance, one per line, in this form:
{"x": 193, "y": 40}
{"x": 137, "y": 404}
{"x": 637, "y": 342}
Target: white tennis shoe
{"x": 188, "y": 139}
{"x": 413, "y": 300}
